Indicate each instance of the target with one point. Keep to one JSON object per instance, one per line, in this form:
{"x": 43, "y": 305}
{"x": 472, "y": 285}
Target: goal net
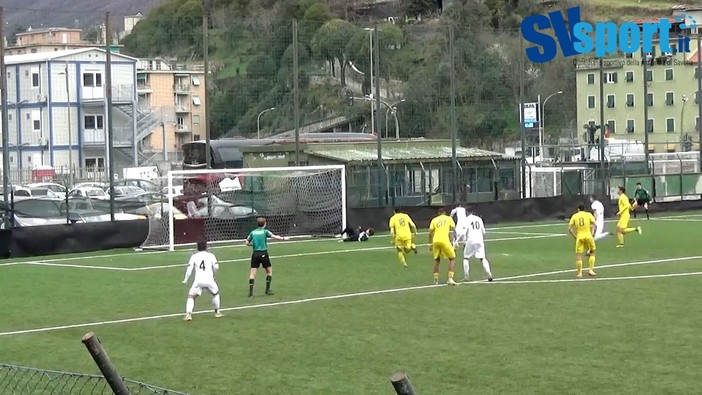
{"x": 220, "y": 205}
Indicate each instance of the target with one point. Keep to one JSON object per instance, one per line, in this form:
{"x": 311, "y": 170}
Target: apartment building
{"x": 667, "y": 88}
{"x": 178, "y": 95}
{"x": 50, "y": 40}
{"x": 57, "y": 109}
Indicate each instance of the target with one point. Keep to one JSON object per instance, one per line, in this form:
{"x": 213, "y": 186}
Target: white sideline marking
{"x": 490, "y": 230}
{"x": 581, "y": 280}
{"x": 345, "y": 296}
{"x": 649, "y": 262}
{"x": 39, "y": 263}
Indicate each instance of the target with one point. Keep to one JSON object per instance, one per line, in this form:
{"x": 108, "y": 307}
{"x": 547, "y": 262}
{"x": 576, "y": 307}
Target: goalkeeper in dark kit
{"x": 641, "y": 199}
{"x": 358, "y": 234}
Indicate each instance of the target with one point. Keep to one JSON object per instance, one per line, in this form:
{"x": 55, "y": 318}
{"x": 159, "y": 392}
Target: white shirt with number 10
{"x": 203, "y": 264}
{"x": 475, "y": 230}
{"x": 459, "y": 213}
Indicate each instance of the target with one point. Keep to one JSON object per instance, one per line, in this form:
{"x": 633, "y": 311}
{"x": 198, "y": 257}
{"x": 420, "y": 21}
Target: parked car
{"x": 89, "y": 192}
{"x": 41, "y": 211}
{"x": 158, "y": 210}
{"x": 176, "y": 190}
{"x": 126, "y": 192}
{"x": 58, "y": 189}
{"x": 39, "y": 192}
{"x": 143, "y": 197}
{"x": 146, "y": 185}
{"x": 220, "y": 209}
{"x": 90, "y": 184}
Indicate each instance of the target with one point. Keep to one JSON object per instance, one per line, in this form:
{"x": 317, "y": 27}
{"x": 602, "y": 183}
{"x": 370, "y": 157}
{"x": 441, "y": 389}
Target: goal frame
{"x": 195, "y": 172}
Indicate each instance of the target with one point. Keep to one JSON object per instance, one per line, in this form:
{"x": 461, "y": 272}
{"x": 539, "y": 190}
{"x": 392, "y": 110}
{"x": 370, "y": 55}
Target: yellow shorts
{"x": 583, "y": 244}
{"x": 443, "y": 250}
{"x": 624, "y": 221}
{"x": 403, "y": 244}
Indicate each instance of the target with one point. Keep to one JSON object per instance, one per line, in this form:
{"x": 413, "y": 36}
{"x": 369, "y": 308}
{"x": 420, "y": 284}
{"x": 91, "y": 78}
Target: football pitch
{"x": 346, "y": 315}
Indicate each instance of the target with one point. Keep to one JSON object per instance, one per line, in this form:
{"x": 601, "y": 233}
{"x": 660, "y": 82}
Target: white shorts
{"x": 461, "y": 231}
{"x": 474, "y": 250}
{"x": 198, "y": 286}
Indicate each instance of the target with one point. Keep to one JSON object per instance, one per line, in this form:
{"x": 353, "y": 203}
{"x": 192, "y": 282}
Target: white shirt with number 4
{"x": 204, "y": 265}
{"x": 598, "y": 212}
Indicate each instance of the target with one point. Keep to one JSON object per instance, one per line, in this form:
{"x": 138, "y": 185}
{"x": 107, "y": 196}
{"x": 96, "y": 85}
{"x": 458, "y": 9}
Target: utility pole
{"x": 602, "y": 128}
{"x": 296, "y": 92}
{"x": 522, "y": 129}
{"x": 381, "y": 170}
{"x": 454, "y": 122}
{"x": 110, "y": 132}
{"x": 645, "y": 90}
{"x": 5, "y": 125}
{"x": 699, "y": 92}
{"x": 206, "y": 4}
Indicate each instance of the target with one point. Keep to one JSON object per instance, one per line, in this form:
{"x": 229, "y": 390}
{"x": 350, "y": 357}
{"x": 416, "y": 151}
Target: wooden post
{"x": 401, "y": 383}
{"x": 92, "y": 343}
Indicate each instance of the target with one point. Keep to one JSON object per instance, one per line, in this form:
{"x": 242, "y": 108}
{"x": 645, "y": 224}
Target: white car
{"x": 89, "y": 192}
{"x": 176, "y": 190}
{"x": 58, "y": 190}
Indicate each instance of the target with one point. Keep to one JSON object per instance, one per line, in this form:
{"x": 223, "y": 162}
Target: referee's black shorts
{"x": 641, "y": 202}
{"x": 260, "y": 258}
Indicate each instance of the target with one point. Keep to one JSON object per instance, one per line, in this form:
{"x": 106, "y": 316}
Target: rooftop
{"x": 369, "y": 153}
{"x": 47, "y": 30}
{"x": 51, "y": 55}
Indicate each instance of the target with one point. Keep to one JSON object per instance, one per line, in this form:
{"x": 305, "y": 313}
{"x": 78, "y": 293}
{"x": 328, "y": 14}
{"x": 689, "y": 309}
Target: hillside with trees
{"x": 252, "y": 56}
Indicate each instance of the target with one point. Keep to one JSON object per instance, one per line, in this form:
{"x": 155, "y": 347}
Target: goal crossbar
{"x": 307, "y": 186}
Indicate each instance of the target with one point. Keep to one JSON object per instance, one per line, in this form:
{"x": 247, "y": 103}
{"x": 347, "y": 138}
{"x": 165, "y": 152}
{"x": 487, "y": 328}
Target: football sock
{"x": 450, "y": 275}
{"x": 466, "y": 268}
{"x": 401, "y": 257}
{"x": 251, "y": 285}
{"x": 268, "y": 283}
{"x": 628, "y": 230}
{"x": 436, "y": 276}
{"x": 189, "y": 306}
{"x": 579, "y": 265}
{"x": 591, "y": 262}
{"x": 647, "y": 217}
{"x": 215, "y": 303}
{"x": 486, "y": 267}
{"x": 620, "y": 239}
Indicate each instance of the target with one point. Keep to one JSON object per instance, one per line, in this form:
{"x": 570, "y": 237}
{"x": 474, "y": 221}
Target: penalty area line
{"x": 592, "y": 279}
{"x": 352, "y": 295}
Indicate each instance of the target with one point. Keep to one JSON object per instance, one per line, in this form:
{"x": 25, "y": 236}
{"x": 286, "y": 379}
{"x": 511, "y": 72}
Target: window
{"x": 591, "y": 102}
{"x": 36, "y": 120}
{"x": 649, "y": 99}
{"x": 95, "y": 162}
{"x": 611, "y": 126}
{"x": 9, "y": 74}
{"x": 9, "y": 116}
{"x": 649, "y": 75}
{"x": 630, "y": 126}
{"x": 35, "y": 77}
{"x": 629, "y": 76}
{"x": 670, "y": 125}
{"x": 196, "y": 119}
{"x": 610, "y": 101}
{"x": 93, "y": 122}
{"x": 630, "y": 100}
{"x": 668, "y": 74}
{"x": 196, "y": 100}
{"x": 591, "y": 79}
{"x": 92, "y": 79}
{"x": 669, "y": 98}
{"x": 196, "y": 137}
{"x": 649, "y": 125}
{"x": 610, "y": 78}
{"x": 196, "y": 80}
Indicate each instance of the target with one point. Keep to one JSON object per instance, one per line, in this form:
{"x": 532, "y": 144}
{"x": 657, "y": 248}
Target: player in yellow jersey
{"x": 402, "y": 229}
{"x": 624, "y": 215}
{"x": 440, "y": 244}
{"x": 582, "y": 228}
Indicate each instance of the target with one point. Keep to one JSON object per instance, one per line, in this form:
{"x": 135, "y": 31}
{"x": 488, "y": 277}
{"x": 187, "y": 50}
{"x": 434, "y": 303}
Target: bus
{"x": 226, "y": 153}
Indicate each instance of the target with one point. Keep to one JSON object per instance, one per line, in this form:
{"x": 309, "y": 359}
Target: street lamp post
{"x": 70, "y": 131}
{"x": 394, "y": 114}
{"x": 682, "y": 115}
{"x": 370, "y": 46}
{"x": 258, "y": 121}
{"x": 542, "y": 130}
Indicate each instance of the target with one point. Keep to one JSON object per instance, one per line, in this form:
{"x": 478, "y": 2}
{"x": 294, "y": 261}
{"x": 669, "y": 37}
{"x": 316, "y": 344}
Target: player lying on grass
{"x": 358, "y": 234}
{"x": 641, "y": 199}
{"x": 474, "y": 237}
{"x": 258, "y": 239}
{"x": 204, "y": 265}
{"x": 440, "y": 244}
{"x": 402, "y": 231}
{"x": 624, "y": 214}
{"x": 582, "y": 228}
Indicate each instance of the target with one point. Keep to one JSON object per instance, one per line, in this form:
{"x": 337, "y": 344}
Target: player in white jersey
{"x": 459, "y": 217}
{"x": 598, "y": 211}
{"x": 204, "y": 265}
{"x": 474, "y": 236}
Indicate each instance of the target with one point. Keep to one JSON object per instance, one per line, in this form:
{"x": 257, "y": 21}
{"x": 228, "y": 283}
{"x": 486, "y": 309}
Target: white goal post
{"x": 221, "y": 205}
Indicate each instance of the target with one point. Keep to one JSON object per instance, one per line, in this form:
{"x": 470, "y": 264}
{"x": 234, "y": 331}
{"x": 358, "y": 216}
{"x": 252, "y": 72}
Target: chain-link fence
{"x": 21, "y": 380}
